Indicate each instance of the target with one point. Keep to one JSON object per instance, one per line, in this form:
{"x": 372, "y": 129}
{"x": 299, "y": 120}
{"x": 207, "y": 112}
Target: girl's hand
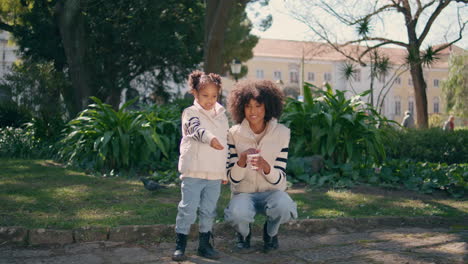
{"x": 242, "y": 162}
{"x": 215, "y": 144}
{"x": 224, "y": 182}
{"x": 261, "y": 164}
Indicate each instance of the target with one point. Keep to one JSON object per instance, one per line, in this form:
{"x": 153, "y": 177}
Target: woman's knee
{"x": 239, "y": 210}
{"x": 281, "y": 204}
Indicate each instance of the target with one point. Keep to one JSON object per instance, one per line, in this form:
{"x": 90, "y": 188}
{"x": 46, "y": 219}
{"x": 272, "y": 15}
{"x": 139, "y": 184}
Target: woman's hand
{"x": 261, "y": 164}
{"x": 242, "y": 162}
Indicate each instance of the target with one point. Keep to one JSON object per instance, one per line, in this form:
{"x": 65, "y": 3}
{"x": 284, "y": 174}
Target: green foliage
{"x": 431, "y": 145}
{"x": 12, "y": 115}
{"x": 339, "y": 129}
{"x": 104, "y": 139}
{"x": 24, "y": 143}
{"x": 422, "y": 176}
{"x": 36, "y": 88}
{"x": 238, "y": 42}
{"x": 455, "y": 88}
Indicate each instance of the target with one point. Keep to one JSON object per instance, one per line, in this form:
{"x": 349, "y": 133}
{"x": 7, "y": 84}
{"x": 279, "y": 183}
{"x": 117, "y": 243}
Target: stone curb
{"x": 158, "y": 233}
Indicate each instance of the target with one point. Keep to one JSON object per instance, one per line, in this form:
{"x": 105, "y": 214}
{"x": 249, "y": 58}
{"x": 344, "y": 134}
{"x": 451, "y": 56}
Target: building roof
{"x": 322, "y": 52}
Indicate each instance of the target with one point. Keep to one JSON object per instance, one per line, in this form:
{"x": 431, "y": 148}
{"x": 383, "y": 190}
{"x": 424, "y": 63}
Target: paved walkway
{"x": 400, "y": 245}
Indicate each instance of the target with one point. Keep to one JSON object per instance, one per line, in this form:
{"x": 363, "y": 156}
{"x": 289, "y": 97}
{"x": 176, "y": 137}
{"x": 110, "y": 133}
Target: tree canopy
{"x": 105, "y": 46}
{"x": 455, "y": 88}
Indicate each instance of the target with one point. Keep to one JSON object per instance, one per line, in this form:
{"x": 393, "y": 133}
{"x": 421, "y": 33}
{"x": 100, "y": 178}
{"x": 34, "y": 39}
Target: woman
{"x": 258, "y": 187}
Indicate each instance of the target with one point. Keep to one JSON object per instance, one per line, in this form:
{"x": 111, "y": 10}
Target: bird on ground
{"x": 151, "y": 185}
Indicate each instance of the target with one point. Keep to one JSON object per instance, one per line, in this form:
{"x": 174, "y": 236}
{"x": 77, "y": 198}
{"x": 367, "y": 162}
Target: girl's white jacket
{"x": 197, "y": 158}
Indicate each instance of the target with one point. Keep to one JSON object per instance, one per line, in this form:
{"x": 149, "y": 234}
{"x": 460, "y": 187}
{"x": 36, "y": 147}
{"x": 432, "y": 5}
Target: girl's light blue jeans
{"x": 197, "y": 194}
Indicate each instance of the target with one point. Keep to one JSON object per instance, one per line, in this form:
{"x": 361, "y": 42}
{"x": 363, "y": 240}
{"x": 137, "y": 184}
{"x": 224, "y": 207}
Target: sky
{"x": 286, "y": 27}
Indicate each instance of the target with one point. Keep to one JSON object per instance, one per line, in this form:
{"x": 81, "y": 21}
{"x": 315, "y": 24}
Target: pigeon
{"x": 151, "y": 185}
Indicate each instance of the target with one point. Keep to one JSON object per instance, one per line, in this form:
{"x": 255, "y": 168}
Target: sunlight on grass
{"x": 94, "y": 214}
{"x": 18, "y": 198}
{"x": 352, "y": 198}
{"x": 73, "y": 192}
{"x": 327, "y": 213}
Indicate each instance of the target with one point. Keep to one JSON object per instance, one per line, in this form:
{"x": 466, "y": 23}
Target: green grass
{"x": 38, "y": 193}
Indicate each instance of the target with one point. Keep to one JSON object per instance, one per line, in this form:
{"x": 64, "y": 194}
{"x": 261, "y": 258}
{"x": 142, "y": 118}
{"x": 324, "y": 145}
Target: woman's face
{"x": 207, "y": 96}
{"x": 254, "y": 112}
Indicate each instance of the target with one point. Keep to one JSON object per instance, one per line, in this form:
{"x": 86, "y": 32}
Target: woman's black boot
{"x": 204, "y": 247}
{"x": 181, "y": 243}
{"x": 270, "y": 243}
{"x": 244, "y": 243}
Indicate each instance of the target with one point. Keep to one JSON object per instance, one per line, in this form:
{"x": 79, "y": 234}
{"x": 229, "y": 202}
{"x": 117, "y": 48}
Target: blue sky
{"x": 286, "y": 27}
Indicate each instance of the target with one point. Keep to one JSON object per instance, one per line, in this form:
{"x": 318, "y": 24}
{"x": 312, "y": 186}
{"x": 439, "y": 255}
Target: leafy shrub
{"x": 12, "y": 115}
{"x": 339, "y": 129}
{"x": 423, "y": 176}
{"x": 103, "y": 139}
{"x": 23, "y": 143}
{"x": 432, "y": 145}
{"x": 418, "y": 176}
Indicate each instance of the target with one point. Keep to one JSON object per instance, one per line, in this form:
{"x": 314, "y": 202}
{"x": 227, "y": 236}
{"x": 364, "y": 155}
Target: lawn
{"x": 39, "y": 193}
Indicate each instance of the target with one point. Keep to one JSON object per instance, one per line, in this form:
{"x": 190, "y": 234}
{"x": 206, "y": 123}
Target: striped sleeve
{"x": 193, "y": 128}
{"x": 278, "y": 171}
{"x": 235, "y": 174}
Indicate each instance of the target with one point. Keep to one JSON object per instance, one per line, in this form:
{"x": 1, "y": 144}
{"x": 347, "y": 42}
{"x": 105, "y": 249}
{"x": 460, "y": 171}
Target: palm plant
{"x": 339, "y": 129}
{"x": 103, "y": 139}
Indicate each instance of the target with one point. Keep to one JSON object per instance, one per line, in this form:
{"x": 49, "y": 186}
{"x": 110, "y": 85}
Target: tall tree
{"x": 455, "y": 88}
{"x": 103, "y": 47}
{"x": 226, "y": 23}
{"x": 418, "y": 18}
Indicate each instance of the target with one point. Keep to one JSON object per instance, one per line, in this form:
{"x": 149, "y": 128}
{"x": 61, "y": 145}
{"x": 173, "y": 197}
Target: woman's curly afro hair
{"x": 265, "y": 92}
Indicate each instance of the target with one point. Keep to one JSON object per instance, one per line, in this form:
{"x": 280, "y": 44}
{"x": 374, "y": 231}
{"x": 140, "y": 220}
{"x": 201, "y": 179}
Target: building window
{"x": 397, "y": 106}
{"x": 398, "y": 80}
{"x": 357, "y": 75}
{"x": 436, "y": 105}
{"x": 436, "y": 83}
{"x": 410, "y": 81}
{"x": 260, "y": 74}
{"x": 327, "y": 77}
{"x": 293, "y": 77}
{"x": 310, "y": 76}
{"x": 411, "y": 104}
{"x": 277, "y": 75}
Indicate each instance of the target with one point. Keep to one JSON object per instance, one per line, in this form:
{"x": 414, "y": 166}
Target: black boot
{"x": 204, "y": 247}
{"x": 244, "y": 243}
{"x": 181, "y": 243}
{"x": 270, "y": 243}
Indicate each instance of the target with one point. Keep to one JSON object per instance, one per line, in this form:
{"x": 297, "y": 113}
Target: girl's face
{"x": 254, "y": 112}
{"x": 207, "y": 96}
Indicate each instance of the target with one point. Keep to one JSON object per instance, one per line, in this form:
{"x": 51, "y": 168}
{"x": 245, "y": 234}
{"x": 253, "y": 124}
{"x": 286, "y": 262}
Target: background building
{"x": 289, "y": 62}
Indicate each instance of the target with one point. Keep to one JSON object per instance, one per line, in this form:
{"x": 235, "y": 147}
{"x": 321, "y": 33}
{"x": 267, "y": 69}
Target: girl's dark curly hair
{"x": 198, "y": 79}
{"x": 265, "y": 92}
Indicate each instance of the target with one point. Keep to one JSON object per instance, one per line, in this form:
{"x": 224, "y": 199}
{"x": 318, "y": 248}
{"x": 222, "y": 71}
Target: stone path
{"x": 398, "y": 245}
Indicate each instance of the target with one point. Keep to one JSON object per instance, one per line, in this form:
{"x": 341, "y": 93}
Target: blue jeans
{"x": 197, "y": 194}
{"x": 276, "y": 205}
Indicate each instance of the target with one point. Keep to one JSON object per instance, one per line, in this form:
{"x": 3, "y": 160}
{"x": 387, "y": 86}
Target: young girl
{"x": 202, "y": 162}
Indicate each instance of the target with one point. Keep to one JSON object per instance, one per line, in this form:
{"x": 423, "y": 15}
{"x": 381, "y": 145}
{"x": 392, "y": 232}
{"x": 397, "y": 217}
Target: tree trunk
{"x": 419, "y": 94}
{"x": 114, "y": 98}
{"x": 72, "y": 31}
{"x": 216, "y": 19}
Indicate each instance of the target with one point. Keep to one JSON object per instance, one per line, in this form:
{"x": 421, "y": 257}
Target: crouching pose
{"x": 258, "y": 153}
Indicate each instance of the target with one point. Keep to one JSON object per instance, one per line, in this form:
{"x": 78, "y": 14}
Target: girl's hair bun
{"x": 198, "y": 79}
{"x": 194, "y": 79}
